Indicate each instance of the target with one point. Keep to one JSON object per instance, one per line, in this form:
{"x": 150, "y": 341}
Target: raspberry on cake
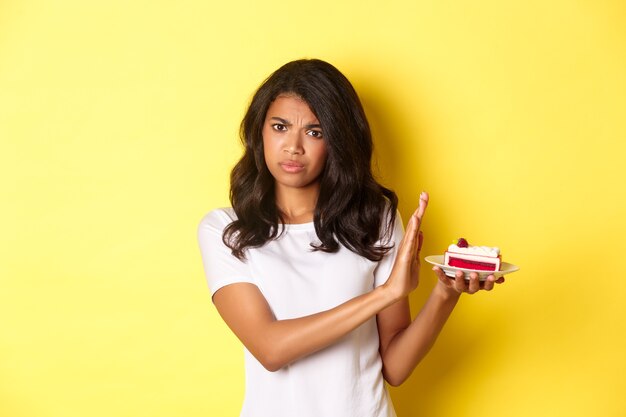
{"x": 464, "y": 255}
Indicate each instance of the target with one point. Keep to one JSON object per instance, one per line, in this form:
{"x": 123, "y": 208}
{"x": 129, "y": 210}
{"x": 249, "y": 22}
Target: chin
{"x": 297, "y": 183}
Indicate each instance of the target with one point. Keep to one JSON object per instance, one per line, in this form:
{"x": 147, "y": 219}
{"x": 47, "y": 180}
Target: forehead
{"x": 290, "y": 105}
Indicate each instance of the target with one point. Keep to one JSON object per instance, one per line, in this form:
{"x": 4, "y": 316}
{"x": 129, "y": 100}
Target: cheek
{"x": 267, "y": 147}
{"x": 321, "y": 155}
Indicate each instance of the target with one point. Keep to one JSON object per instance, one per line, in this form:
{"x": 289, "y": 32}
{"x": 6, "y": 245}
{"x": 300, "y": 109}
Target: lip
{"x": 291, "y": 167}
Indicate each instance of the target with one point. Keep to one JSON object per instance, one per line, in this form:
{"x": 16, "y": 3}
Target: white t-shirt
{"x": 342, "y": 380}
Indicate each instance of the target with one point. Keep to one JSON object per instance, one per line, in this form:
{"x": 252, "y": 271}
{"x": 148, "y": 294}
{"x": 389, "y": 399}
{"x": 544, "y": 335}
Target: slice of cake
{"x": 464, "y": 255}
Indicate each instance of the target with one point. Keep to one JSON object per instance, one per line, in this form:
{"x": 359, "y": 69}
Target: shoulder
{"x": 218, "y": 218}
{"x": 210, "y": 232}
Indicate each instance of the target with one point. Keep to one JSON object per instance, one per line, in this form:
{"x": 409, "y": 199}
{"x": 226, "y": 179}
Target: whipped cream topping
{"x": 475, "y": 250}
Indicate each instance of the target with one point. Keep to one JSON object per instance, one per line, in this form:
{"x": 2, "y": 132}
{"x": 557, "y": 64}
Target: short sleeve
{"x": 383, "y": 269}
{"x": 221, "y": 268}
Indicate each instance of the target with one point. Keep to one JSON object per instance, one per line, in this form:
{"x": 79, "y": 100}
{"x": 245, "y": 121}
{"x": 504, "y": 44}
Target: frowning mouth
{"x": 291, "y": 166}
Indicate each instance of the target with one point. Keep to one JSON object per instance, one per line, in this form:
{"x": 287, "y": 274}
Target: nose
{"x": 293, "y": 144}
{"x": 292, "y": 151}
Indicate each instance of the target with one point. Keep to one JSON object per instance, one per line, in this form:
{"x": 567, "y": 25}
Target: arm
{"x": 403, "y": 344}
{"x": 276, "y": 343}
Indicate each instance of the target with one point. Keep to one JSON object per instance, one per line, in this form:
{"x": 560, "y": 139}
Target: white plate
{"x": 505, "y": 268}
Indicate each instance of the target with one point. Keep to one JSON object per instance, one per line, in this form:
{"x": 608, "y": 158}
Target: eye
{"x": 279, "y": 127}
{"x": 315, "y": 133}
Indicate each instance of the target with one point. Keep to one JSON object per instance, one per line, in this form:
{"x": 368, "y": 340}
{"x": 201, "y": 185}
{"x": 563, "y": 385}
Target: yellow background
{"x": 118, "y": 129}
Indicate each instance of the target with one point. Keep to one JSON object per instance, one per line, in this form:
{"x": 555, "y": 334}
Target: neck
{"x": 297, "y": 205}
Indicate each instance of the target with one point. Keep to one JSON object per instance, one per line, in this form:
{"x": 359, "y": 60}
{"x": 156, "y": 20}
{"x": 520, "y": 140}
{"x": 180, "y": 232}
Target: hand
{"x": 404, "y": 276}
{"x": 459, "y": 284}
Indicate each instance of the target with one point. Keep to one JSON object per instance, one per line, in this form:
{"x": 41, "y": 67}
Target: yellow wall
{"x": 118, "y": 128}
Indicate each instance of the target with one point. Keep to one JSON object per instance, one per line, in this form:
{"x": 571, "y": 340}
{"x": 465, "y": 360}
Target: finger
{"x": 409, "y": 241}
{"x": 420, "y": 242}
{"x": 500, "y": 280}
{"x": 489, "y": 283}
{"x": 410, "y": 230}
{"x": 459, "y": 281}
{"x": 417, "y": 247}
{"x": 442, "y": 276}
{"x": 421, "y": 209}
{"x": 474, "y": 283}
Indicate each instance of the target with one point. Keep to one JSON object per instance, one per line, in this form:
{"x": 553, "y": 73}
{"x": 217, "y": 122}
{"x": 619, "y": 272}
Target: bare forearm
{"x": 409, "y": 346}
{"x": 285, "y": 341}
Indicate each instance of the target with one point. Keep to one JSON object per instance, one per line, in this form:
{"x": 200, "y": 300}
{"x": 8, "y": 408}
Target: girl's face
{"x": 293, "y": 143}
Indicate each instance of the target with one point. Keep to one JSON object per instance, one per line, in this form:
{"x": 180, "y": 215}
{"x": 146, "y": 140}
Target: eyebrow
{"x": 287, "y": 123}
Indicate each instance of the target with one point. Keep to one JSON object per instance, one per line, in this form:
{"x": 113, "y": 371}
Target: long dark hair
{"x": 352, "y": 207}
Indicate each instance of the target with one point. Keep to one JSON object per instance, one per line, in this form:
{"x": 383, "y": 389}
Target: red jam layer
{"x": 464, "y": 263}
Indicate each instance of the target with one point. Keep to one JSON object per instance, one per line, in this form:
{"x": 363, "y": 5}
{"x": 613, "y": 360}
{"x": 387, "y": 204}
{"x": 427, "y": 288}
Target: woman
{"x": 310, "y": 267}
